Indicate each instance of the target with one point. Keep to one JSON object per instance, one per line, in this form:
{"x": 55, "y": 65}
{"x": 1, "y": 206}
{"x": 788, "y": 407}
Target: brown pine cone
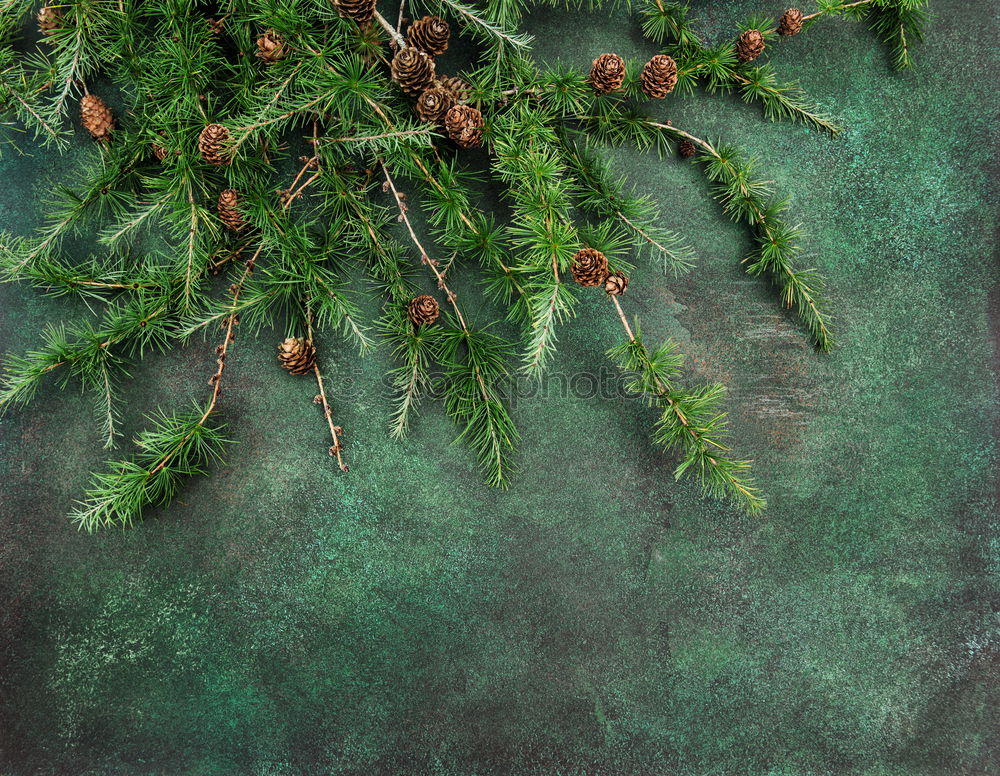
{"x": 50, "y": 19}
{"x": 362, "y": 11}
{"x": 434, "y": 103}
{"x": 791, "y": 22}
{"x": 459, "y": 89}
{"x": 423, "y": 309}
{"x": 750, "y": 45}
{"x": 607, "y": 73}
{"x": 413, "y": 70}
{"x": 429, "y": 34}
{"x": 589, "y": 267}
{"x": 228, "y": 207}
{"x": 659, "y": 76}
{"x": 96, "y": 117}
{"x": 616, "y": 284}
{"x": 271, "y": 47}
{"x": 465, "y": 126}
{"x": 686, "y": 149}
{"x": 212, "y": 144}
{"x": 297, "y": 355}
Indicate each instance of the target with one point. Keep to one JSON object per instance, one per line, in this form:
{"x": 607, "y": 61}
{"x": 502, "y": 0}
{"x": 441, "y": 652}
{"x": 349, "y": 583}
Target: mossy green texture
{"x": 597, "y": 617}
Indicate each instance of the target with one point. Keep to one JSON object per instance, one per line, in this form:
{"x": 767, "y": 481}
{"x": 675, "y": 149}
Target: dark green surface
{"x": 597, "y": 618}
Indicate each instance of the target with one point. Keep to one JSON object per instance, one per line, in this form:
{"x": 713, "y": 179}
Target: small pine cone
{"x": 228, "y": 207}
{"x": 465, "y": 126}
{"x": 212, "y": 144}
{"x": 50, "y": 19}
{"x": 362, "y": 11}
{"x": 434, "y": 103}
{"x": 659, "y": 76}
{"x": 297, "y": 355}
{"x": 160, "y": 152}
{"x": 271, "y": 47}
{"x": 791, "y": 22}
{"x": 423, "y": 309}
{"x": 686, "y": 149}
{"x": 616, "y": 284}
{"x": 413, "y": 70}
{"x": 607, "y": 73}
{"x": 589, "y": 267}
{"x": 96, "y": 117}
{"x": 750, "y": 45}
{"x": 429, "y": 34}
{"x": 460, "y": 90}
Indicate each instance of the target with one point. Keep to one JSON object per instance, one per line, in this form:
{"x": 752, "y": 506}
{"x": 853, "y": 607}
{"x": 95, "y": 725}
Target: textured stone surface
{"x": 596, "y": 618}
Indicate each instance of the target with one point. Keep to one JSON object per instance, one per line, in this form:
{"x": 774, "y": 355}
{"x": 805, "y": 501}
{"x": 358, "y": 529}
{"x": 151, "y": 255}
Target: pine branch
{"x": 690, "y": 421}
{"x": 475, "y": 366}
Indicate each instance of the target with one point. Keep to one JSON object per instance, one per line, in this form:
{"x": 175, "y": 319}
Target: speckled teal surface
{"x": 596, "y": 618}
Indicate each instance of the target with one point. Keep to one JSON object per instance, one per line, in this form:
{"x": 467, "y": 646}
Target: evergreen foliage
{"x": 324, "y": 152}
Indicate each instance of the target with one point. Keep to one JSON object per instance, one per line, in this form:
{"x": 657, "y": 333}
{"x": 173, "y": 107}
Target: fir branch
{"x": 689, "y": 421}
{"x": 475, "y": 366}
{"x": 173, "y": 448}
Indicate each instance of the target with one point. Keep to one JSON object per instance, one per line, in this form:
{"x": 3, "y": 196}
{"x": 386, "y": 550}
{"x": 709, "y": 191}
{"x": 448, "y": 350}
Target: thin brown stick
{"x": 398, "y": 39}
{"x": 336, "y": 449}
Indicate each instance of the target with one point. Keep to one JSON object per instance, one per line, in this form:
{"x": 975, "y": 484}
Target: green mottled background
{"x": 597, "y": 618}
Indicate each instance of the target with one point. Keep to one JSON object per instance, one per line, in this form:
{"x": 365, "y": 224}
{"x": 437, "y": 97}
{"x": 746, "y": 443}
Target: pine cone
{"x": 589, "y": 267}
{"x": 616, "y": 284}
{"x": 659, "y": 76}
{"x": 791, "y": 22}
{"x": 362, "y": 11}
{"x": 271, "y": 47}
{"x": 297, "y": 355}
{"x": 96, "y": 117}
{"x": 228, "y": 207}
{"x": 434, "y": 103}
{"x": 608, "y": 73}
{"x": 686, "y": 149}
{"x": 459, "y": 89}
{"x": 423, "y": 309}
{"x": 429, "y": 34}
{"x": 750, "y": 45}
{"x": 465, "y": 126}
{"x": 212, "y": 144}
{"x": 50, "y": 19}
{"x": 413, "y": 70}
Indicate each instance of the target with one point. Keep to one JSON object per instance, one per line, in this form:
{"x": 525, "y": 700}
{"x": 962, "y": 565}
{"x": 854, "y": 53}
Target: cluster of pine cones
{"x": 657, "y": 80}
{"x": 441, "y": 99}
{"x": 590, "y": 268}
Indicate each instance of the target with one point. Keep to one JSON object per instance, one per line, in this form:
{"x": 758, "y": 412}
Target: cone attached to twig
{"x": 686, "y": 149}
{"x": 96, "y": 117}
{"x": 271, "y": 47}
{"x": 791, "y": 22}
{"x": 228, "y": 207}
{"x": 413, "y": 70}
{"x": 616, "y": 284}
{"x": 750, "y": 45}
{"x": 429, "y": 34}
{"x": 589, "y": 267}
{"x": 362, "y": 11}
{"x": 423, "y": 309}
{"x": 297, "y": 355}
{"x": 464, "y": 125}
{"x": 434, "y": 103}
{"x": 607, "y": 73}
{"x": 50, "y": 19}
{"x": 212, "y": 144}
{"x": 460, "y": 90}
{"x": 659, "y": 76}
